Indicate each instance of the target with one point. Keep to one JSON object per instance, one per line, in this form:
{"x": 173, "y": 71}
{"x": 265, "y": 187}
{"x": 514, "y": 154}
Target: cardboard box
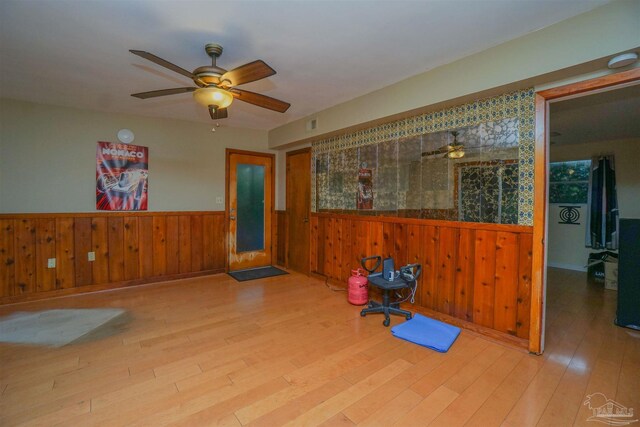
{"x": 611, "y": 274}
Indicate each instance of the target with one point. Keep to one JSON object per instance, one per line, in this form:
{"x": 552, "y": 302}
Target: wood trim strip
{"x": 473, "y": 327}
{"x": 98, "y": 214}
{"x": 598, "y": 83}
{"x": 436, "y": 222}
{"x": 298, "y": 151}
{"x": 539, "y": 228}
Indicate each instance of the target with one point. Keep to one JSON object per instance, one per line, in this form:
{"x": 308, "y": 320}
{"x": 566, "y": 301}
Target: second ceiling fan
{"x": 216, "y": 87}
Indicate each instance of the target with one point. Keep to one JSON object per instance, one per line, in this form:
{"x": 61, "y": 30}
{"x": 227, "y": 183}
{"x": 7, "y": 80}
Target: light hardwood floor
{"x": 288, "y": 351}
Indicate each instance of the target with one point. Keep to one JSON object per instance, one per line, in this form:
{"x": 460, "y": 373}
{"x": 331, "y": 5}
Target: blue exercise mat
{"x": 427, "y": 332}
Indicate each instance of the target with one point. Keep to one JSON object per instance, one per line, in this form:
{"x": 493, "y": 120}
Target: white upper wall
{"x": 602, "y": 32}
{"x": 48, "y": 158}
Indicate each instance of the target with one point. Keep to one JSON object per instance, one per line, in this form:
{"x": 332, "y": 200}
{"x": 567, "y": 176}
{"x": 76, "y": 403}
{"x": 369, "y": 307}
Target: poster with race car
{"x": 364, "y": 197}
{"x": 121, "y": 177}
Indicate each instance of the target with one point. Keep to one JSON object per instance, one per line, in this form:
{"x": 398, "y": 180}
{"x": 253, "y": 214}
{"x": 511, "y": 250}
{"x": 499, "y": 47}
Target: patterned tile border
{"x": 519, "y": 104}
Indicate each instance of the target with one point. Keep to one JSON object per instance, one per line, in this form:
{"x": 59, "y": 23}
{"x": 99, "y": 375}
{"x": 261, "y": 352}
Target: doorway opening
{"x": 544, "y": 210}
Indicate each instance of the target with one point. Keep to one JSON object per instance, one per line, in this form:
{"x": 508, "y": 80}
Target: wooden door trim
{"x": 298, "y": 151}
{"x": 228, "y": 152}
{"x": 286, "y": 215}
{"x": 540, "y": 202}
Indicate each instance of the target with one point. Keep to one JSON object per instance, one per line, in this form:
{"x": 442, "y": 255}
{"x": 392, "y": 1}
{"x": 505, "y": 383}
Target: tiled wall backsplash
{"x": 413, "y": 176}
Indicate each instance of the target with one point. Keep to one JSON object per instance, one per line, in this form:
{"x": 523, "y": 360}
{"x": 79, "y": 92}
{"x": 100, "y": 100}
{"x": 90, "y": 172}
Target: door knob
{"x": 232, "y": 217}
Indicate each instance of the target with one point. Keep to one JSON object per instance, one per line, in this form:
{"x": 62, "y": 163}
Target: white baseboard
{"x": 567, "y": 266}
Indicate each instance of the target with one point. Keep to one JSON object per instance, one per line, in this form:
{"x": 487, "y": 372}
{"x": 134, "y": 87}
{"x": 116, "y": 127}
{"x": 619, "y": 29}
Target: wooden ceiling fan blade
{"x": 217, "y": 113}
{"x": 261, "y": 100}
{"x": 247, "y": 73}
{"x": 440, "y": 150}
{"x": 163, "y": 92}
{"x": 163, "y": 63}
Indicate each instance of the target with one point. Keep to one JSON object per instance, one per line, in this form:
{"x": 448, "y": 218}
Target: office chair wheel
{"x": 408, "y": 316}
{"x": 362, "y": 313}
{"x": 386, "y": 322}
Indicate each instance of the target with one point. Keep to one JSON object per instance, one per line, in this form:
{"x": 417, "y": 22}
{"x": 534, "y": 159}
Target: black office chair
{"x": 407, "y": 279}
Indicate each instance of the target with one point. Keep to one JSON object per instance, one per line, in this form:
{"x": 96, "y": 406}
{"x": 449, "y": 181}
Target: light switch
{"x": 51, "y": 263}
{"x": 91, "y": 256}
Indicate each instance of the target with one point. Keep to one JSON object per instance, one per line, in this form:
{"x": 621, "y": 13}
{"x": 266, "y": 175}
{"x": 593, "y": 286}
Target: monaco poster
{"x": 364, "y": 198}
{"x": 121, "y": 177}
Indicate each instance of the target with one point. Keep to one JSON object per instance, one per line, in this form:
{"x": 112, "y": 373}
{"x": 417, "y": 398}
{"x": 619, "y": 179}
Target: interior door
{"x": 298, "y": 209}
{"x": 249, "y": 213}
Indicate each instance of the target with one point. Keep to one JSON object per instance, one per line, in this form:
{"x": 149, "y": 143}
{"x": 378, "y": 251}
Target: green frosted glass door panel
{"x": 250, "y": 213}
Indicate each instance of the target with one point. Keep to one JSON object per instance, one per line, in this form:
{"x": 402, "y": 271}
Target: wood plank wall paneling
{"x": 197, "y": 246}
{"x": 173, "y": 244}
{"x": 525, "y": 265}
{"x": 130, "y": 248}
{"x": 100, "y": 245}
{"x": 429, "y": 260}
{"x": 208, "y": 242}
{"x": 145, "y": 241}
{"x": 45, "y": 249}
{"x": 464, "y": 275}
{"x": 484, "y": 286}
{"x": 506, "y": 274}
{"x": 345, "y": 251}
{"x": 184, "y": 239}
{"x": 478, "y": 273}
{"x": 7, "y": 257}
{"x": 445, "y": 277}
{"x": 82, "y": 246}
{"x": 25, "y": 256}
{"x": 65, "y": 253}
{"x": 116, "y": 249}
{"x": 159, "y": 243}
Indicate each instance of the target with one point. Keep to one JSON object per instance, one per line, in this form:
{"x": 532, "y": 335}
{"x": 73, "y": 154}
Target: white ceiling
{"x": 75, "y": 53}
{"x": 606, "y": 116}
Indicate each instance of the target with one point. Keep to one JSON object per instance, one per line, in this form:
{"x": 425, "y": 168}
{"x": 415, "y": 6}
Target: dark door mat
{"x": 256, "y": 273}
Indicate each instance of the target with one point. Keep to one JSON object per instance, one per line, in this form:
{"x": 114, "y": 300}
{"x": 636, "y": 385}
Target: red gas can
{"x": 358, "y": 288}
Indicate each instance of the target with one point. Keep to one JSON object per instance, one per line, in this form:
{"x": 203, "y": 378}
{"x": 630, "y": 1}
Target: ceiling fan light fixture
{"x": 207, "y": 96}
{"x": 456, "y": 154}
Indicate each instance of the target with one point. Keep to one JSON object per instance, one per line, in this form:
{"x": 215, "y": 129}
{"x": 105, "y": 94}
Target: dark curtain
{"x": 602, "y": 219}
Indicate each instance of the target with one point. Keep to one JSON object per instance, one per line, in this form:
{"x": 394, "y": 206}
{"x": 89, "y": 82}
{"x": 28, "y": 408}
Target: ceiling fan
{"x": 215, "y": 86}
{"x": 452, "y": 151}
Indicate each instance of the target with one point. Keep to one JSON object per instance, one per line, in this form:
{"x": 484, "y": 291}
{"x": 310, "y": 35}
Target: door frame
{"x": 228, "y": 152}
{"x": 540, "y": 201}
{"x": 286, "y": 215}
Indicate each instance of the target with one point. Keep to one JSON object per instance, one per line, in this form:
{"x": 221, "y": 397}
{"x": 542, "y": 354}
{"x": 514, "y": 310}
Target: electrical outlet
{"x": 91, "y": 256}
{"x": 51, "y": 263}
{"x": 219, "y": 200}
